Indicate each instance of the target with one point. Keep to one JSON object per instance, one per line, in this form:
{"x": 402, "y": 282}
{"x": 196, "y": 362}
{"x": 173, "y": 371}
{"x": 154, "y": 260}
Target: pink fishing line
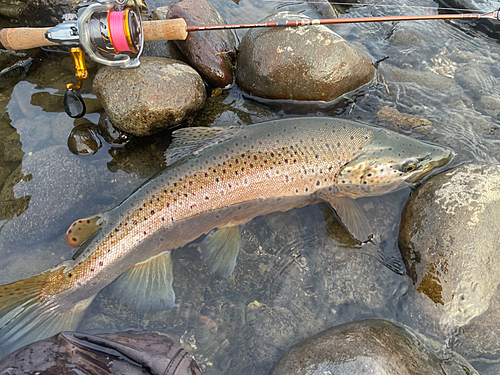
{"x": 117, "y": 31}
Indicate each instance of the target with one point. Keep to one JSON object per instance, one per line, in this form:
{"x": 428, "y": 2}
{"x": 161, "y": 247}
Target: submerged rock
{"x": 211, "y": 53}
{"x": 449, "y": 241}
{"x": 273, "y": 325}
{"x": 83, "y": 140}
{"x": 368, "y": 347}
{"x": 392, "y": 116}
{"x": 299, "y": 63}
{"x": 110, "y": 133}
{"x": 158, "y": 94}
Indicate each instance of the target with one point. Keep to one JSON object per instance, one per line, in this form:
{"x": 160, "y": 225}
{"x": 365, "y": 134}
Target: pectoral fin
{"x": 82, "y": 229}
{"x": 351, "y": 215}
{"x": 147, "y": 287}
{"x": 220, "y": 249}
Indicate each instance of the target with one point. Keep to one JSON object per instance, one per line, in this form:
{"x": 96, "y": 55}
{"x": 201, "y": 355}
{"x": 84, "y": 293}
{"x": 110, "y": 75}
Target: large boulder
{"x": 449, "y": 239}
{"x": 211, "y": 53}
{"x": 158, "y": 94}
{"x": 367, "y": 347}
{"x": 299, "y": 63}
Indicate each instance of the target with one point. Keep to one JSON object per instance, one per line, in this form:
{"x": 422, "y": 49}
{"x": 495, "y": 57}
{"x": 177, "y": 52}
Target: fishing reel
{"x": 110, "y": 33}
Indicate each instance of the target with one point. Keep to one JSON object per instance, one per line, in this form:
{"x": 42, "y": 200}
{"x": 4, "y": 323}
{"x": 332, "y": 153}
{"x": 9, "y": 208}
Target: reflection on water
{"x": 298, "y": 272}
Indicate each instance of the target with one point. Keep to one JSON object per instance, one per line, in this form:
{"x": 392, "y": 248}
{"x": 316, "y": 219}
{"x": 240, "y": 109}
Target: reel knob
{"x": 74, "y": 104}
{"x": 73, "y": 101}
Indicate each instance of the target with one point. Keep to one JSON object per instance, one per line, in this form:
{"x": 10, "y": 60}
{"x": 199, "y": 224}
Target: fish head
{"x": 390, "y": 163}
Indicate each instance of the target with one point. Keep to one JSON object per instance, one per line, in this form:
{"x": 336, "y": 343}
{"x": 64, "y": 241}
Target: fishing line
{"x": 295, "y": 2}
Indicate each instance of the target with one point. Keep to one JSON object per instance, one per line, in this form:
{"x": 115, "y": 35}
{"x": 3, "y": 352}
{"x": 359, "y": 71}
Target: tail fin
{"x": 25, "y": 317}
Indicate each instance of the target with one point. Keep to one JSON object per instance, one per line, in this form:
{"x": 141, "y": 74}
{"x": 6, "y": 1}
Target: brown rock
{"x": 299, "y": 63}
{"x": 211, "y": 53}
{"x": 400, "y": 120}
{"x": 158, "y": 94}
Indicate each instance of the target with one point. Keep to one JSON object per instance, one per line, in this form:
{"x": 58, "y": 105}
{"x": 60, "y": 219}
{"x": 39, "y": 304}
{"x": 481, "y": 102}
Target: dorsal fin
{"x": 82, "y": 229}
{"x": 192, "y": 141}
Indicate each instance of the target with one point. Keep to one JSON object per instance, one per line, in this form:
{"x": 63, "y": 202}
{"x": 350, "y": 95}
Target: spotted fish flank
{"x": 218, "y": 178}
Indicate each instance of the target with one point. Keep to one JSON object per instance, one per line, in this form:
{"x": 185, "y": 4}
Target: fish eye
{"x": 409, "y": 165}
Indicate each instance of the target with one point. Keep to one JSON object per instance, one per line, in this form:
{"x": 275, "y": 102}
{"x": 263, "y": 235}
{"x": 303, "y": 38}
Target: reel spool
{"x": 110, "y": 36}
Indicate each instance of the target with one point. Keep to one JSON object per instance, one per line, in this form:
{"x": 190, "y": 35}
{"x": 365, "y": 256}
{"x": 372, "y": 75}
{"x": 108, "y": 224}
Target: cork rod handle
{"x": 32, "y": 37}
{"x": 24, "y": 38}
{"x": 174, "y": 29}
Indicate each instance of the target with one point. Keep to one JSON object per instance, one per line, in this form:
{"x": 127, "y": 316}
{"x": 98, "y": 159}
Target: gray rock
{"x": 476, "y": 79}
{"x": 211, "y": 53}
{"x": 303, "y": 63}
{"x": 366, "y": 347}
{"x": 479, "y": 340}
{"x": 489, "y": 105}
{"x": 426, "y": 79}
{"x": 449, "y": 241}
{"x": 158, "y": 94}
{"x": 273, "y": 325}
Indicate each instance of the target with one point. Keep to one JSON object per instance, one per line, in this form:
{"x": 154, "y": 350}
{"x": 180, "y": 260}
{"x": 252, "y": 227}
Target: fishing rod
{"x": 113, "y": 34}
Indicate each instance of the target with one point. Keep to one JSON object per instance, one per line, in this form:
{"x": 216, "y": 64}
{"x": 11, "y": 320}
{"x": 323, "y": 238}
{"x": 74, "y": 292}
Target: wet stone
{"x": 159, "y": 93}
{"x": 489, "y": 105}
{"x": 217, "y": 112}
{"x": 479, "y": 340}
{"x": 449, "y": 241}
{"x": 110, "y": 133}
{"x": 273, "y": 325}
{"x": 211, "y": 53}
{"x": 273, "y": 63}
{"x": 476, "y": 79}
{"x": 83, "y": 140}
{"x": 13, "y": 148}
{"x": 366, "y": 347}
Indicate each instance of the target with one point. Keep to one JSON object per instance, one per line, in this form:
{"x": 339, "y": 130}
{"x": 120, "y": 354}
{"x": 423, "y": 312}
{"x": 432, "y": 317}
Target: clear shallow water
{"x": 301, "y": 267}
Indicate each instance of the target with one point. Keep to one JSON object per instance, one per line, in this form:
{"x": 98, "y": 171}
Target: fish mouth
{"x": 435, "y": 163}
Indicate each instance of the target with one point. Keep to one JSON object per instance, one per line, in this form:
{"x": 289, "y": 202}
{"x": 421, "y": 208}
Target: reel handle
{"x": 32, "y": 37}
{"x": 24, "y": 38}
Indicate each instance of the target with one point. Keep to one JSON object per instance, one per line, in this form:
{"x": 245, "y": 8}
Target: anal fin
{"x": 147, "y": 287}
{"x": 220, "y": 249}
{"x": 82, "y": 229}
{"x": 350, "y": 214}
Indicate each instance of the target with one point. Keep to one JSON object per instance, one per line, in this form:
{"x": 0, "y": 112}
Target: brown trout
{"x": 217, "y": 179}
